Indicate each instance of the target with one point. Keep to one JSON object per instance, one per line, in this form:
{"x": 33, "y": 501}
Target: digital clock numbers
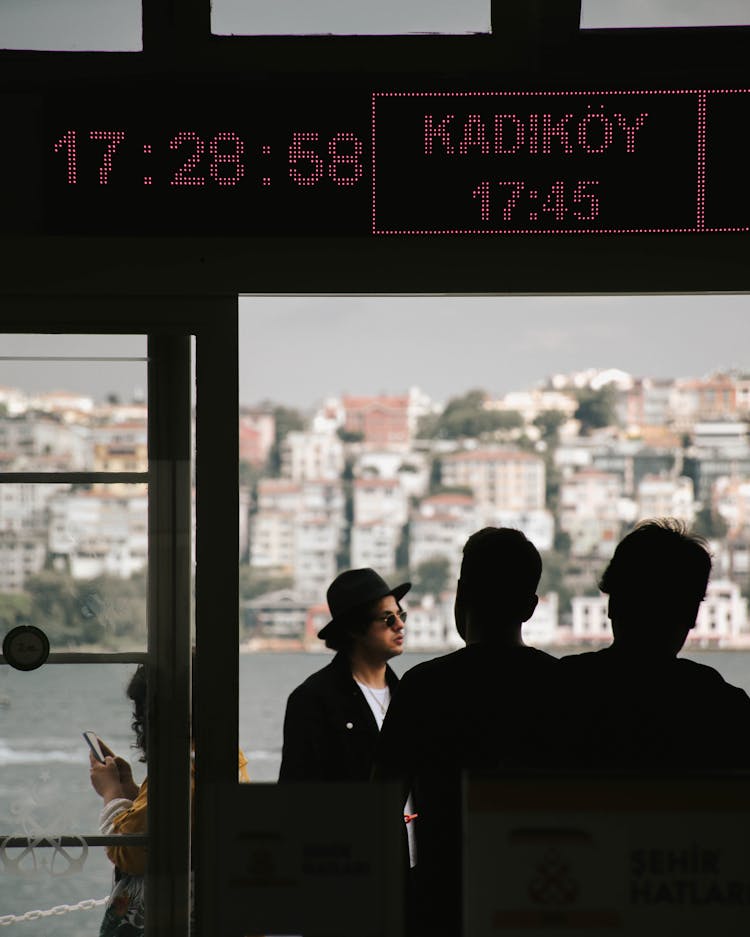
{"x": 221, "y": 160}
{"x": 401, "y": 163}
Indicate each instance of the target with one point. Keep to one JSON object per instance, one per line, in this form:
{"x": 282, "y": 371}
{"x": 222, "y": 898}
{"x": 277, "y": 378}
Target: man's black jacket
{"x": 330, "y": 733}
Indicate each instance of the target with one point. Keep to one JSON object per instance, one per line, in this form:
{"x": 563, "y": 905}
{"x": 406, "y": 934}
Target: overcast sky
{"x": 449, "y": 345}
{"x": 115, "y": 25}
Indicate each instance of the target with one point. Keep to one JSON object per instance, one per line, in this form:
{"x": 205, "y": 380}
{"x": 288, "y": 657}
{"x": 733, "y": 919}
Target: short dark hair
{"x": 499, "y": 564}
{"x": 656, "y": 558}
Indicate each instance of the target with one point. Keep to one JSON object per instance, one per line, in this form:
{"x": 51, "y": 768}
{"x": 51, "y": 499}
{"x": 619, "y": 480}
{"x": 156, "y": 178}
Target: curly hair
{"x": 137, "y": 691}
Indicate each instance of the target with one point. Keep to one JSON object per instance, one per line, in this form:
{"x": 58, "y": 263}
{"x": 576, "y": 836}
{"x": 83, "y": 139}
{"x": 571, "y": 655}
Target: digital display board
{"x": 240, "y": 161}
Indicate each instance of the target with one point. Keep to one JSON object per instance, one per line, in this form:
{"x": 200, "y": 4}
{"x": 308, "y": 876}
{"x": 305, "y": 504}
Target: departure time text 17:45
{"x": 518, "y": 202}
{"x": 202, "y": 160}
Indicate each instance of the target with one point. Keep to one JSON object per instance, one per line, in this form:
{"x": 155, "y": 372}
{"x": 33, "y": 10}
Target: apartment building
{"x": 506, "y": 479}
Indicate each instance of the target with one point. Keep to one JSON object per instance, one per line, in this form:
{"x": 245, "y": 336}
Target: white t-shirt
{"x": 378, "y": 700}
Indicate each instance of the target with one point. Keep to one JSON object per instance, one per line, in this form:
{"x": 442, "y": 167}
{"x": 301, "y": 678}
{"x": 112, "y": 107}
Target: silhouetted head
{"x": 656, "y": 581}
{"x": 137, "y": 692}
{"x": 500, "y": 573}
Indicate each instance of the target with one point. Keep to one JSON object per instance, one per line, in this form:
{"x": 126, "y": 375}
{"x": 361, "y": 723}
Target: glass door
{"x": 95, "y": 560}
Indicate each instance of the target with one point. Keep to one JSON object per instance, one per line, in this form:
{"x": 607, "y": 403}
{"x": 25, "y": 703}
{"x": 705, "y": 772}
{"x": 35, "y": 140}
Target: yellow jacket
{"x": 132, "y": 859}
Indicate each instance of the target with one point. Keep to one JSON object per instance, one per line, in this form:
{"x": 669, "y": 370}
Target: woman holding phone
{"x": 124, "y": 810}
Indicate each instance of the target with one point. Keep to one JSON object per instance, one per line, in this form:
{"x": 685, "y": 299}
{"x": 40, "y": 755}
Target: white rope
{"x": 86, "y": 905}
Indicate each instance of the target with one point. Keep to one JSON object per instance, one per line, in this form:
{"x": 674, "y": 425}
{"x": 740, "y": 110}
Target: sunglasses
{"x": 390, "y": 620}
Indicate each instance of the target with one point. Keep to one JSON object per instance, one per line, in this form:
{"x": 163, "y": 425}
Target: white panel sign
{"x": 608, "y": 857}
{"x": 319, "y": 860}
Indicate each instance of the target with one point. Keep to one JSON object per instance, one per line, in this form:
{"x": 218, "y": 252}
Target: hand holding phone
{"x": 97, "y": 747}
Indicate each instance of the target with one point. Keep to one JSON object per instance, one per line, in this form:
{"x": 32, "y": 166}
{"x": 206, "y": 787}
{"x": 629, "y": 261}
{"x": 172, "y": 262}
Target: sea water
{"x": 44, "y": 782}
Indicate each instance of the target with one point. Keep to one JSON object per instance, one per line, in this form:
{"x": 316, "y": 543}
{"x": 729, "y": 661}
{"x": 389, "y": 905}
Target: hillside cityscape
{"x": 397, "y": 482}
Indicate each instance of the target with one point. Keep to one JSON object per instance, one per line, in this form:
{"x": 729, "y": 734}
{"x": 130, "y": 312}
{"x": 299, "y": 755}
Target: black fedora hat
{"x": 351, "y": 590}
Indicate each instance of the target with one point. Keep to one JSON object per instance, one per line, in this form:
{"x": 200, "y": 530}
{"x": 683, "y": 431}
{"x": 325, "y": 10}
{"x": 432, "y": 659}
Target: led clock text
{"x": 223, "y": 158}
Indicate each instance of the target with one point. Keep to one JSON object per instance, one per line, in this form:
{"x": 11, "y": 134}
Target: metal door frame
{"x": 169, "y": 323}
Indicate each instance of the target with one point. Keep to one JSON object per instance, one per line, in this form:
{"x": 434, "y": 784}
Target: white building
{"x": 70, "y": 407}
{"x": 374, "y": 544}
{"x": 731, "y": 498}
{"x": 380, "y": 499}
{"x": 441, "y": 535}
{"x": 727, "y": 435}
{"x": 316, "y": 544}
{"x": 504, "y": 478}
{"x": 431, "y": 625}
{"x": 13, "y": 400}
{"x": 530, "y": 403}
{"x": 410, "y": 468}
{"x": 590, "y": 622}
{"x": 279, "y": 494}
{"x": 330, "y": 417}
{"x": 722, "y": 616}
{"x": 661, "y": 496}
{"x": 590, "y": 512}
{"x": 272, "y": 541}
{"x": 538, "y": 526}
{"x": 278, "y": 616}
{"x": 38, "y": 441}
{"x": 99, "y": 532}
{"x": 21, "y": 555}
{"x": 325, "y": 497}
{"x": 307, "y": 455}
{"x": 24, "y": 523}
{"x": 542, "y": 629}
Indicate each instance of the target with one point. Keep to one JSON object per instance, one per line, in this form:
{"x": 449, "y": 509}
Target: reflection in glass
{"x": 71, "y": 25}
{"x": 624, "y": 14}
{"x": 45, "y": 788}
{"x": 355, "y": 18}
{"x": 61, "y": 413}
{"x": 73, "y": 562}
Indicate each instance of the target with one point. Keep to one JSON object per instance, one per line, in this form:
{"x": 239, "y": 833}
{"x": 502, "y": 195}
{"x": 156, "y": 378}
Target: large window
{"x": 383, "y": 431}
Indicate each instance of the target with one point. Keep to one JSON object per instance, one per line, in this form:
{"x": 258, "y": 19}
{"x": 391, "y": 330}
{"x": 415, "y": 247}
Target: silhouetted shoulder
{"x": 588, "y": 660}
{"x": 478, "y": 658}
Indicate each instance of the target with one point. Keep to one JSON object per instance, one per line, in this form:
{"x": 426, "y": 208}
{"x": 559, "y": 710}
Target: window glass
{"x": 357, "y": 17}
{"x": 71, "y": 25}
{"x": 73, "y": 562}
{"x": 46, "y": 791}
{"x": 613, "y": 14}
{"x": 391, "y": 428}
{"x": 71, "y": 403}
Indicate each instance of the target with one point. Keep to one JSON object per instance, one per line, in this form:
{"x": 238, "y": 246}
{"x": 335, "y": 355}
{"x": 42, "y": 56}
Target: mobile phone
{"x": 93, "y": 743}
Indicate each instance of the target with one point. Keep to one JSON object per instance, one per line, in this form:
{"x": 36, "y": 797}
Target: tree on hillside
{"x": 431, "y": 576}
{"x": 548, "y": 422}
{"x": 710, "y": 524}
{"x": 92, "y": 611}
{"x": 286, "y": 419}
{"x": 554, "y": 568}
{"x": 14, "y": 609}
{"x": 254, "y": 582}
{"x": 466, "y": 416}
{"x": 596, "y": 408}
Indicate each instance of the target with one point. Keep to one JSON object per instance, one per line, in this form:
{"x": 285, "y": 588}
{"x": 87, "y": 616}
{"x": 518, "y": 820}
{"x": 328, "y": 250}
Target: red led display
{"x": 563, "y": 162}
{"x": 384, "y": 163}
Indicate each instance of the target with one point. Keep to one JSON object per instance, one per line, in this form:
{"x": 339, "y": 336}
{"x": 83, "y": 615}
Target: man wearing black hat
{"x": 333, "y": 719}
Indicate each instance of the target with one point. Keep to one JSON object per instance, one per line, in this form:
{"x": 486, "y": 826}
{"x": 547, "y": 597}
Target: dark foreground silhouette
{"x": 482, "y": 708}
